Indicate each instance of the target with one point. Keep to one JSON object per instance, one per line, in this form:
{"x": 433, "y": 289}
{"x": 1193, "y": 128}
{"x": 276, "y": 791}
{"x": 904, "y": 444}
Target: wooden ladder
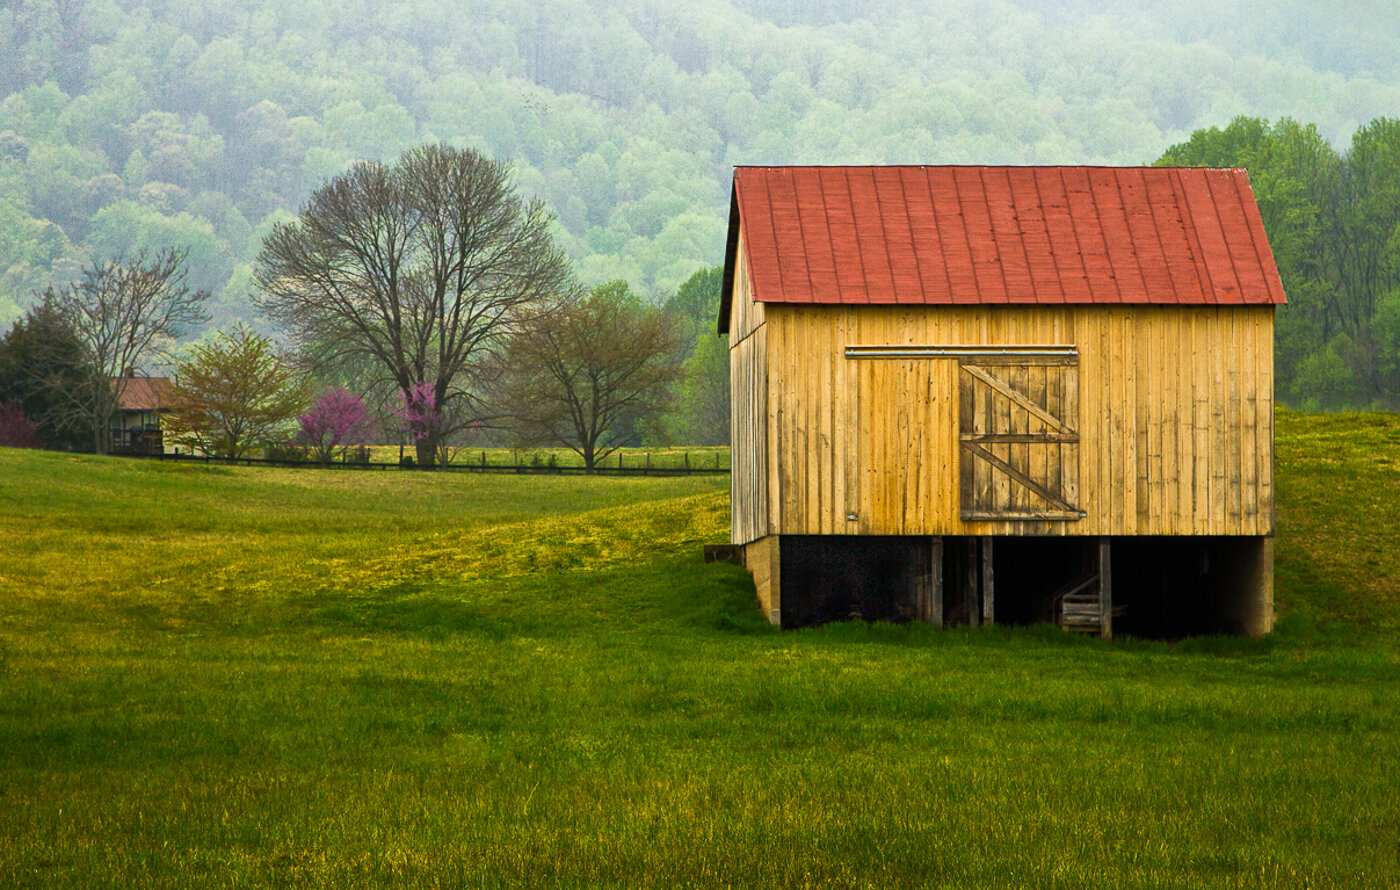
{"x": 1076, "y": 606}
{"x": 1085, "y": 605}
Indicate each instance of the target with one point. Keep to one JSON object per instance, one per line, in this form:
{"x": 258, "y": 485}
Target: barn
{"x": 966, "y": 395}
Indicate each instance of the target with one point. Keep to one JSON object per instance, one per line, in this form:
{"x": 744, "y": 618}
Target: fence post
{"x": 687, "y": 460}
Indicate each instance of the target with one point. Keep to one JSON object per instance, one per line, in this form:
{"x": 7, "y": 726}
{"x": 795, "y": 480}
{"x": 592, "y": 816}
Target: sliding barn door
{"x": 1019, "y": 437}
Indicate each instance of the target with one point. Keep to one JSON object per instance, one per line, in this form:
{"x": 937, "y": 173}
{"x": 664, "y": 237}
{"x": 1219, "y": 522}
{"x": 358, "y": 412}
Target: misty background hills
{"x": 143, "y": 124}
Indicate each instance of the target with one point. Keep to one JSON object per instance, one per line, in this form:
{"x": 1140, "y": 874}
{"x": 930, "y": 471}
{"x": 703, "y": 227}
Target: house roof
{"x": 143, "y": 393}
{"x": 996, "y": 235}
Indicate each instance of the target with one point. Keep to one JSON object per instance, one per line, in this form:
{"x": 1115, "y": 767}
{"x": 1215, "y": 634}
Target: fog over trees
{"x": 147, "y": 124}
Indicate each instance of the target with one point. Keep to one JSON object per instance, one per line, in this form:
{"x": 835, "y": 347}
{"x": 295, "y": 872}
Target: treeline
{"x": 1333, "y": 220}
{"x": 127, "y": 125}
{"x": 425, "y": 300}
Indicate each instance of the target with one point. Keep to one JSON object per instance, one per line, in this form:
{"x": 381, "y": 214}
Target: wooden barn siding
{"x": 748, "y": 478}
{"x": 1175, "y": 419}
{"x": 749, "y": 516}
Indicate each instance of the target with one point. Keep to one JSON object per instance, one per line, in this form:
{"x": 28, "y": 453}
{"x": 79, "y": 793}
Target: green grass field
{"x": 233, "y": 677}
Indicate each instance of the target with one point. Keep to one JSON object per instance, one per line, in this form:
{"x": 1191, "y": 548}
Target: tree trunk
{"x": 427, "y": 451}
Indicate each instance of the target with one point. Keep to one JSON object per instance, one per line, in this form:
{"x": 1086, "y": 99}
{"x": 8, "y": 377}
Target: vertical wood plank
{"x": 1247, "y": 405}
{"x": 1222, "y": 450}
{"x": 948, "y": 489}
{"x": 1264, "y": 335}
{"x": 1120, "y": 450}
{"x": 808, "y": 467}
{"x": 1205, "y": 344}
{"x": 1107, "y": 492}
{"x": 850, "y": 394}
{"x": 999, "y": 421}
{"x": 967, "y": 468}
{"x": 1019, "y": 454}
{"x": 1127, "y": 416}
{"x": 1171, "y": 372}
{"x": 1054, "y": 454}
{"x": 1070, "y": 453}
{"x": 1142, "y": 395}
{"x": 1040, "y": 454}
{"x": 1156, "y": 421}
{"x": 1184, "y": 429}
{"x": 793, "y": 439}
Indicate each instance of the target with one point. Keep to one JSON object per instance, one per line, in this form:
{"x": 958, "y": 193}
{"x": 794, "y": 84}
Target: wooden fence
{"x": 699, "y": 467}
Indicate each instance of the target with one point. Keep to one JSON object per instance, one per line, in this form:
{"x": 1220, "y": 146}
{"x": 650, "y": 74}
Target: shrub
{"x": 287, "y": 451}
{"x": 16, "y": 430}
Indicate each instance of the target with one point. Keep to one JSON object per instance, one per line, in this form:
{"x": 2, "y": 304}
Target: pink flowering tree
{"x": 338, "y": 420}
{"x": 437, "y": 433}
{"x": 419, "y": 410}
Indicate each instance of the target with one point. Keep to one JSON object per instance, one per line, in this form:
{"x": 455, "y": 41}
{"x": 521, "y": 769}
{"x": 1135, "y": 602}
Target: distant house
{"x": 141, "y": 401}
{"x": 966, "y": 394}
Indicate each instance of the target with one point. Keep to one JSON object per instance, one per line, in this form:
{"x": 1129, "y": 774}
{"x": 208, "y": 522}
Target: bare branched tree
{"x": 125, "y": 313}
{"x": 589, "y": 374}
{"x": 420, "y": 267}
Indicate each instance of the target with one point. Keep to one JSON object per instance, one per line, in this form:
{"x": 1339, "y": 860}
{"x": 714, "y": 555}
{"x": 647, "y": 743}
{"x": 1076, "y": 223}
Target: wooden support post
{"x": 1105, "y": 590}
{"x": 989, "y": 612}
{"x": 974, "y": 601}
{"x": 935, "y": 556}
{"x": 1263, "y": 593}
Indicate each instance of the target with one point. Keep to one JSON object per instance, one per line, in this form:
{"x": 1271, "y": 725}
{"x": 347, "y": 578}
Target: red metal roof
{"x": 969, "y": 235}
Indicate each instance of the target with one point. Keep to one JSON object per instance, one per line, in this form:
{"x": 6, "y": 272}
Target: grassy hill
{"x": 220, "y": 677}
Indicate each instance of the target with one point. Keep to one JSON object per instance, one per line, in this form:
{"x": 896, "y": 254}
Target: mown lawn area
{"x": 255, "y": 677}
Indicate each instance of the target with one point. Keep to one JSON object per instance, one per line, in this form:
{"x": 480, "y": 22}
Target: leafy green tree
{"x": 700, "y": 410}
{"x": 235, "y": 393}
{"x": 589, "y": 373}
{"x": 42, "y": 364}
{"x": 696, "y": 303}
{"x": 704, "y": 394}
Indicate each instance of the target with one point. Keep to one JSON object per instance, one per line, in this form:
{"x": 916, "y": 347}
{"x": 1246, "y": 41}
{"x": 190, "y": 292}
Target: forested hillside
{"x": 127, "y": 124}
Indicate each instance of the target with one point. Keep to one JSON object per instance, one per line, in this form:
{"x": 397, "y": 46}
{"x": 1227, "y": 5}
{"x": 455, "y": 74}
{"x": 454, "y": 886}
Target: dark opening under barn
{"x": 1154, "y": 586}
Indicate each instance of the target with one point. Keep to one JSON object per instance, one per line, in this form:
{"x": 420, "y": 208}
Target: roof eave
{"x": 731, "y": 257}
